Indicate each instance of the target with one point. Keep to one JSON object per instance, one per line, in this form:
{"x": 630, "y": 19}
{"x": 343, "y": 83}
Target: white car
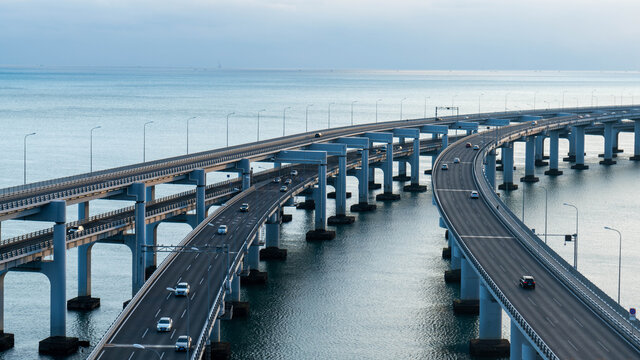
{"x": 164, "y": 324}
{"x": 474, "y": 195}
{"x": 287, "y": 182}
{"x": 445, "y": 167}
{"x": 456, "y": 160}
{"x": 183, "y": 343}
{"x": 476, "y": 147}
{"x": 283, "y": 188}
{"x": 182, "y": 289}
{"x": 222, "y": 229}
{"x": 294, "y": 172}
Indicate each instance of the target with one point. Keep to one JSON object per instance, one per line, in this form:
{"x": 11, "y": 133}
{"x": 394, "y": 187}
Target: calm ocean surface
{"x": 377, "y": 290}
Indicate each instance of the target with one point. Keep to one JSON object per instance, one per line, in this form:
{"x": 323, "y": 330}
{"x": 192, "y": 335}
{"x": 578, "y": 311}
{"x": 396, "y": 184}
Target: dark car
{"x": 468, "y": 145}
{"x": 527, "y": 282}
{"x": 244, "y": 207}
{"x": 319, "y": 134}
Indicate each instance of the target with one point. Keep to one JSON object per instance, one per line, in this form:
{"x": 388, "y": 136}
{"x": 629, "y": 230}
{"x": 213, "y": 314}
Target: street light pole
{"x": 401, "y": 107}
{"x": 575, "y": 240}
{"x": 91, "y": 147}
{"x": 377, "y": 101}
{"x": 233, "y": 113}
{"x": 144, "y": 141}
{"x": 479, "y": 98}
{"x": 353, "y": 102}
{"x": 189, "y": 119}
{"x": 25, "y": 156}
{"x": 619, "y": 258}
{"x": 142, "y": 347}
{"x": 425, "y": 105}
{"x": 329, "y": 117}
{"x": 284, "y": 113}
{"x": 258, "y": 128}
{"x": 306, "y": 118}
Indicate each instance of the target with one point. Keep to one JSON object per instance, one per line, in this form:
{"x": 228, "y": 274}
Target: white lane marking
{"x": 550, "y": 322}
{"x": 194, "y": 295}
{"x": 181, "y": 316}
{"x": 557, "y": 302}
{"x": 524, "y": 268}
{"x": 161, "y": 355}
{"x": 579, "y": 323}
{"x": 201, "y": 280}
{"x": 130, "y": 356}
{"x": 209, "y": 267}
{"x": 188, "y": 267}
{"x": 486, "y": 237}
{"x": 180, "y": 278}
{"x": 604, "y": 347}
{"x": 502, "y": 267}
{"x": 168, "y": 296}
{"x": 158, "y": 312}
{"x": 173, "y": 333}
{"x": 573, "y": 346}
{"x": 102, "y": 353}
{"x": 197, "y": 254}
{"x": 454, "y": 190}
{"x": 534, "y": 304}
{"x": 145, "y": 333}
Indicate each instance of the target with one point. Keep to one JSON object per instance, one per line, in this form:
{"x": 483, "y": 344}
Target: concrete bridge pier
{"x": 616, "y": 136}
{"x": 151, "y": 238}
{"x": 578, "y": 139}
{"x": 636, "y": 140}
{"x": 6, "y": 339}
{"x": 341, "y": 195}
{"x": 515, "y": 342}
{"x": 553, "y": 154}
{"x": 372, "y": 179}
{"x": 469, "y": 289}
{"x": 217, "y": 349}
{"x": 453, "y": 275}
{"x": 529, "y": 162}
{"x": 240, "y": 308}
{"x": 490, "y": 168}
{"x": 436, "y": 131}
{"x": 253, "y": 275}
{"x": 387, "y": 168}
{"x": 272, "y": 249}
{"x": 528, "y": 352}
{"x": 540, "y": 157}
{"x": 489, "y": 342}
{"x": 507, "y": 165}
{"x": 402, "y": 166}
{"x": 571, "y": 155}
{"x": 320, "y": 232}
{"x": 608, "y": 144}
{"x": 415, "y": 159}
{"x": 84, "y": 301}
{"x": 363, "y": 144}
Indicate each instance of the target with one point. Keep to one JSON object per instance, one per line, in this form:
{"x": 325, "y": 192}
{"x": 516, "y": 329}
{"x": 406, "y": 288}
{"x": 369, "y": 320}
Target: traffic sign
{"x": 632, "y": 314}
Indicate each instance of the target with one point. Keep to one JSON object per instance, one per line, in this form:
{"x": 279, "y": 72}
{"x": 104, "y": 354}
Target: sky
{"x": 323, "y": 34}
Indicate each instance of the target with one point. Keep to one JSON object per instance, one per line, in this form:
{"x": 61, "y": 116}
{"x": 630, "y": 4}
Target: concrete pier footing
{"x": 341, "y": 220}
{"x": 217, "y": 351}
{"x": 466, "y": 307}
{"x": 6, "y": 341}
{"x": 273, "y": 253}
{"x": 452, "y": 276}
{"x": 553, "y": 172}
{"x": 332, "y": 195}
{"x": 308, "y": 204}
{"x": 508, "y": 186}
{"x": 374, "y": 186}
{"x": 240, "y": 309}
{"x": 320, "y": 235}
{"x": 580, "y": 167}
{"x": 496, "y": 348}
{"x": 83, "y": 303}
{"x": 388, "y": 197}
{"x": 415, "y": 188}
{"x": 446, "y": 253}
{"x": 255, "y": 277}
{"x": 362, "y": 207}
{"x": 58, "y": 346}
{"x": 402, "y": 177}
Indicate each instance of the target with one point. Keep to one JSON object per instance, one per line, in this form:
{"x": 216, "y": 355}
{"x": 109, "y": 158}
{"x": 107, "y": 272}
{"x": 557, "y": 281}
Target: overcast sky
{"x": 324, "y": 34}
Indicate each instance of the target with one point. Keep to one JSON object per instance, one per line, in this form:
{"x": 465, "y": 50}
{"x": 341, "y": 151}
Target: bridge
{"x": 215, "y": 264}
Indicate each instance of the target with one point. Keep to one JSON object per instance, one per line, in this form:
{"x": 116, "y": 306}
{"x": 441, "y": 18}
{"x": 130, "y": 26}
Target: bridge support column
{"x": 490, "y": 168}
{"x": 636, "y": 140}
{"x": 489, "y": 342}
{"x": 469, "y": 285}
{"x": 553, "y": 154}
{"x": 341, "y": 195}
{"x": 245, "y": 166}
{"x": 608, "y": 144}
{"x": 6, "y": 339}
{"x": 529, "y": 167}
{"x": 571, "y": 155}
{"x": 453, "y": 275}
{"x": 372, "y": 179}
{"x": 272, "y": 249}
{"x": 151, "y": 238}
{"x": 516, "y": 340}
{"x": 388, "y": 194}
{"x": 84, "y": 301}
{"x": 138, "y": 263}
{"x": 320, "y": 232}
{"x": 540, "y": 151}
{"x": 402, "y": 166}
{"x": 616, "y": 149}
{"x": 363, "y": 184}
{"x": 528, "y": 352}
{"x": 507, "y": 165}
{"x": 578, "y": 139}
{"x": 254, "y": 275}
{"x": 415, "y": 169}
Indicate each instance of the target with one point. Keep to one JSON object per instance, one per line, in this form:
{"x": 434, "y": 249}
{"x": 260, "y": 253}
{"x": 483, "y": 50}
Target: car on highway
{"x": 182, "y": 289}
{"x": 164, "y": 324}
{"x": 222, "y": 229}
{"x": 319, "y": 134}
{"x": 445, "y": 167}
{"x": 244, "y": 207}
{"x": 287, "y": 181}
{"x": 527, "y": 282}
{"x": 456, "y": 160}
{"x": 284, "y": 188}
{"x": 294, "y": 172}
{"x": 474, "y": 195}
{"x": 476, "y": 147}
{"x": 74, "y": 229}
{"x": 277, "y": 180}
{"x": 183, "y": 343}
{"x": 468, "y": 145}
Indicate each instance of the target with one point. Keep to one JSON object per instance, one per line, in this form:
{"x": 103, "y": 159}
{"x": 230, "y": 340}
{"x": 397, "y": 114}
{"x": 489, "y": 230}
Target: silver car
{"x": 183, "y": 343}
{"x": 164, "y": 324}
{"x": 182, "y": 289}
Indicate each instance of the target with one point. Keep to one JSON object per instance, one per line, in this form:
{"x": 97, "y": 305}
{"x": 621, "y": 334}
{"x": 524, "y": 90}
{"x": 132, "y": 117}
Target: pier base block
{"x": 415, "y": 188}
{"x": 240, "y": 308}
{"x": 497, "y": 348}
{"x": 508, "y": 186}
{"x": 539, "y": 162}
{"x": 273, "y": 253}
{"x": 308, "y": 204}
{"x": 320, "y": 235}
{"x": 362, "y": 207}
{"x": 446, "y": 253}
{"x": 6, "y": 341}
{"x": 635, "y": 158}
{"x": 553, "y": 172}
{"x": 341, "y": 220}
{"x": 255, "y": 277}
{"x": 83, "y": 303}
{"x": 466, "y": 307}
{"x": 580, "y": 167}
{"x": 608, "y": 162}
{"x": 58, "y": 345}
{"x": 217, "y": 351}
{"x": 529, "y": 179}
{"x": 612, "y": 155}
{"x": 387, "y": 197}
{"x": 452, "y": 276}
{"x": 428, "y": 172}
{"x": 374, "y": 186}
{"x": 401, "y": 178}
{"x": 332, "y": 195}
{"x": 286, "y": 217}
